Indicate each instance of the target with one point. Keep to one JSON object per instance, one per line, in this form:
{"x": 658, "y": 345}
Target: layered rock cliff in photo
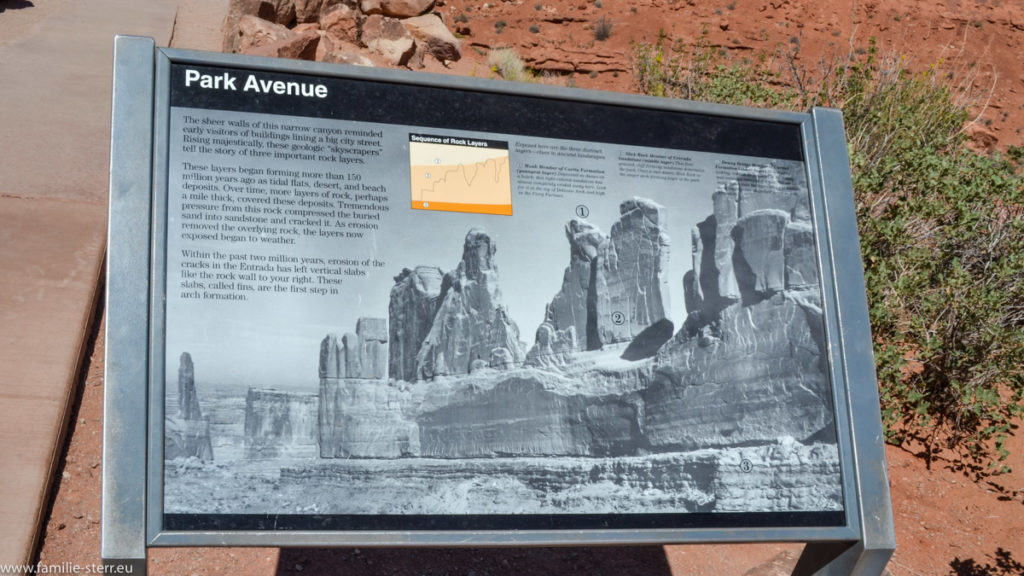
{"x": 746, "y": 372}
{"x": 187, "y": 432}
{"x": 355, "y": 415}
{"x": 280, "y": 424}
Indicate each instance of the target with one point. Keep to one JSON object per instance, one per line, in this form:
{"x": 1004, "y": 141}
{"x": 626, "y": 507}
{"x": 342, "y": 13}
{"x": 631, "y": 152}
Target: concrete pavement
{"x": 55, "y": 85}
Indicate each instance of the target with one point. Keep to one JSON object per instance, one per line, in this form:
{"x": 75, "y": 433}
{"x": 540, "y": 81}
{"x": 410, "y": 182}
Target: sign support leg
{"x": 125, "y": 400}
{"x": 841, "y": 558}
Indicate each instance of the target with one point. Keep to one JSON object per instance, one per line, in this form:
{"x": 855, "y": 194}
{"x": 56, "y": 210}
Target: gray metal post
{"x": 125, "y": 401}
{"x": 870, "y": 555}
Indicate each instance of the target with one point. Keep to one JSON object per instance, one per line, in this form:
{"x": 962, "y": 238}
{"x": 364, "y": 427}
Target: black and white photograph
{"x": 351, "y": 330}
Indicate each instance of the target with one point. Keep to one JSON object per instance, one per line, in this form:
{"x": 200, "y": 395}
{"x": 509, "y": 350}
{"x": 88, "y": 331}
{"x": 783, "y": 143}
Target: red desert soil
{"x": 982, "y": 40}
{"x": 945, "y": 523}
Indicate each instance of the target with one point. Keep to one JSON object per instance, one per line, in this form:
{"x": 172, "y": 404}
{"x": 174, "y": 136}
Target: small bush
{"x": 535, "y": 29}
{"x": 602, "y": 29}
{"x": 506, "y": 63}
{"x": 499, "y": 26}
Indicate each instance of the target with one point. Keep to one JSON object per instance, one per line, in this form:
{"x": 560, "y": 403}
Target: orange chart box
{"x": 448, "y": 175}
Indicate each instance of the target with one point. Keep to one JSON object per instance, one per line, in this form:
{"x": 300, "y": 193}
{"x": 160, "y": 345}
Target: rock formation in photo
{"x": 575, "y": 305}
{"x": 411, "y": 310}
{"x": 614, "y": 287}
{"x": 187, "y": 432}
{"x": 758, "y": 242}
{"x": 280, "y": 424}
{"x": 749, "y": 363}
{"x": 747, "y": 369}
{"x": 470, "y": 324}
{"x": 354, "y": 416}
{"x": 360, "y": 355}
{"x": 631, "y": 283}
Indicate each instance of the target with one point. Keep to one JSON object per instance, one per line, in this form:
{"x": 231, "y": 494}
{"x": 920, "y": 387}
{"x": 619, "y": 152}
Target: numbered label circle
{"x": 582, "y": 211}
{"x": 746, "y": 465}
{"x": 618, "y": 318}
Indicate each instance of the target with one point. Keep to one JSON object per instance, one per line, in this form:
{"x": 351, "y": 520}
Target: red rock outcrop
{"x": 397, "y": 32}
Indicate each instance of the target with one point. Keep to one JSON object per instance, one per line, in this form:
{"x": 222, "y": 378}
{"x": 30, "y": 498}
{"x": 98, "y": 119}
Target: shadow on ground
{"x": 617, "y": 561}
{"x": 15, "y": 4}
{"x": 1005, "y": 565}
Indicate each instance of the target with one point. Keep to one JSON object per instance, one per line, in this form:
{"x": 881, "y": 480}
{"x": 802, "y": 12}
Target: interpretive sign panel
{"x": 566, "y": 327}
{"x": 475, "y": 311}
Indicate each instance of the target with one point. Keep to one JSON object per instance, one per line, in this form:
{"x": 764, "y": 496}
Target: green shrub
{"x": 941, "y": 232}
{"x": 702, "y": 72}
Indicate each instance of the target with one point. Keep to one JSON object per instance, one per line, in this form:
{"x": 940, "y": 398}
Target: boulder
{"x": 254, "y": 32}
{"x": 630, "y": 285}
{"x": 336, "y": 51}
{"x": 387, "y": 37}
{"x": 501, "y": 359}
{"x": 300, "y": 46}
{"x": 349, "y": 58}
{"x": 307, "y": 11}
{"x": 434, "y": 37}
{"x": 647, "y": 342}
{"x": 341, "y": 22}
{"x": 229, "y": 27}
{"x": 278, "y": 11}
{"x": 411, "y": 310}
{"x": 396, "y": 8}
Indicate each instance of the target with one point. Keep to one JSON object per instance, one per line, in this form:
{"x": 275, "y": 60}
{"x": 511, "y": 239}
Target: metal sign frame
{"x": 133, "y": 515}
